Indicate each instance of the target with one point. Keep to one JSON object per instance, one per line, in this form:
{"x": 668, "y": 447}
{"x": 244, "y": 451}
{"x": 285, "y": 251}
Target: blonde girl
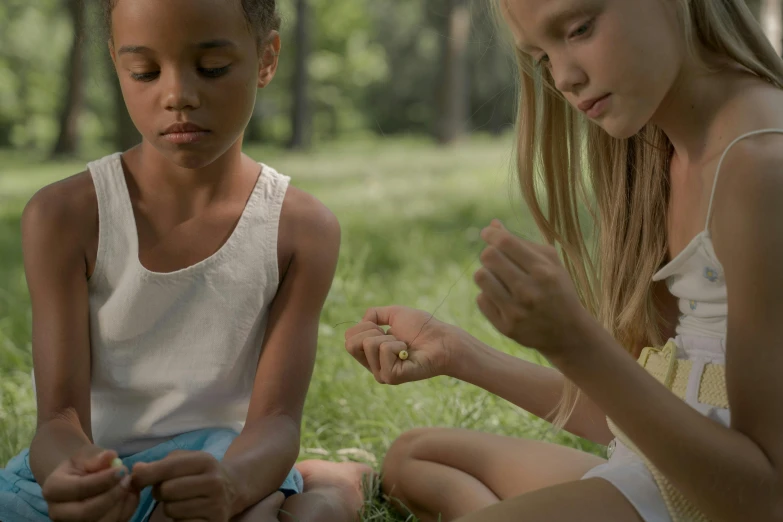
{"x": 665, "y": 118}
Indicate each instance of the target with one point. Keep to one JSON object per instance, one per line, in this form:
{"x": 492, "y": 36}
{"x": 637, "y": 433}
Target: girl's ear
{"x": 268, "y": 59}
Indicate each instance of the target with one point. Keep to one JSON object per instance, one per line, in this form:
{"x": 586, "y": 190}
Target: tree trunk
{"x": 254, "y": 132}
{"x": 301, "y": 116}
{"x": 453, "y": 92}
{"x": 126, "y": 135}
{"x": 68, "y": 137}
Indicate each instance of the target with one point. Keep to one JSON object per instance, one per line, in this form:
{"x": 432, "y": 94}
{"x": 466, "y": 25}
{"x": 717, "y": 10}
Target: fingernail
{"x": 125, "y": 482}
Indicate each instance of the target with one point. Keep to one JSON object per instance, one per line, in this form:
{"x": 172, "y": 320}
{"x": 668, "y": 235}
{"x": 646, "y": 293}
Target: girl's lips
{"x": 596, "y": 107}
{"x": 182, "y": 127}
{"x": 180, "y": 138}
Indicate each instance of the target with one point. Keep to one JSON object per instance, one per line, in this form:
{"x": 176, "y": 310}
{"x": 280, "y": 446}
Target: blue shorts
{"x": 20, "y": 494}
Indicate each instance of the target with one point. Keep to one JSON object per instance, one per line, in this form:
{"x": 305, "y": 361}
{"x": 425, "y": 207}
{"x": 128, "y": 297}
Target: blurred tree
{"x": 492, "y": 72}
{"x": 452, "y": 96}
{"x": 402, "y": 99}
{"x": 126, "y": 135}
{"x": 409, "y": 97}
{"x": 68, "y": 135}
{"x": 10, "y": 68}
{"x": 301, "y": 117}
{"x": 492, "y": 69}
{"x": 255, "y": 129}
{"x": 35, "y": 40}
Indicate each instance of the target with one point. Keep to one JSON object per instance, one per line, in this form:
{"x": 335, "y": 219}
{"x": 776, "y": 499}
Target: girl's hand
{"x": 189, "y": 485}
{"x": 527, "y": 294}
{"x": 378, "y": 350}
{"x": 86, "y": 488}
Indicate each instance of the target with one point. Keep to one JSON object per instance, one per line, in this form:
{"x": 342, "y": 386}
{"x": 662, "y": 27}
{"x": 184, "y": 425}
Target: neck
{"x": 692, "y": 114}
{"x": 183, "y": 191}
{"x": 158, "y": 173}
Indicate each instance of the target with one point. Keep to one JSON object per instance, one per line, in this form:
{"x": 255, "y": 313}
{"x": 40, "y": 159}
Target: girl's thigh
{"x": 508, "y": 466}
{"x": 590, "y": 500}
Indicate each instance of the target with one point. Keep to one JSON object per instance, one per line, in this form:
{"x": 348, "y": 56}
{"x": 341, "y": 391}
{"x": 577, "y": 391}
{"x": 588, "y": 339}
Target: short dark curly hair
{"x": 262, "y": 16}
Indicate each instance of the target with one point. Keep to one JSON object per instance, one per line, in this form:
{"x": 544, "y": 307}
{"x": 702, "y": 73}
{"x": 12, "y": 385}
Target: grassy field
{"x": 410, "y": 215}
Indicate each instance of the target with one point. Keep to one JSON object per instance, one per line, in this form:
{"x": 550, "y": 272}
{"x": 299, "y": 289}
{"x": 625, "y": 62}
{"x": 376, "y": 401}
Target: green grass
{"x": 410, "y": 215}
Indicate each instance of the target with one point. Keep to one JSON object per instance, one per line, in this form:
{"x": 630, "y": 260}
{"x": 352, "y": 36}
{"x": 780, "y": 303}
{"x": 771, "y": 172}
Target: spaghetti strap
{"x": 717, "y": 172}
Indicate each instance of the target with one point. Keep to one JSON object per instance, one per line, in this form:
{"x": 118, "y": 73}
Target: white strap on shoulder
{"x": 717, "y": 172}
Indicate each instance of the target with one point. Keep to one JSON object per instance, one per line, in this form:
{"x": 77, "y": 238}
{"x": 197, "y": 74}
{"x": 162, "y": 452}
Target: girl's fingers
{"x": 182, "y": 488}
{"x": 115, "y": 514}
{"x": 490, "y": 310}
{"x": 489, "y": 284}
{"x": 382, "y": 315}
{"x": 71, "y": 488}
{"x": 361, "y": 328}
{"x": 99, "y": 462}
{"x": 129, "y": 505}
{"x": 389, "y": 352}
{"x": 355, "y": 345}
{"x": 93, "y": 508}
{"x": 522, "y": 253}
{"x": 372, "y": 347}
{"x": 504, "y": 270}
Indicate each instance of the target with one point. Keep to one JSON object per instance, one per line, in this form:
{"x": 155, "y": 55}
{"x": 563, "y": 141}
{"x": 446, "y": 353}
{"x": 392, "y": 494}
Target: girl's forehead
{"x": 529, "y": 19}
{"x": 178, "y": 19}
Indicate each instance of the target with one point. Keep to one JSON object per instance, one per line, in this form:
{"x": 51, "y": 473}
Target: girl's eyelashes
{"x": 144, "y": 77}
{"x": 582, "y": 30}
{"x": 215, "y": 72}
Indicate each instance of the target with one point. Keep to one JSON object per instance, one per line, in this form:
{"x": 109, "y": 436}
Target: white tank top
{"x": 697, "y": 279}
{"x": 696, "y": 275}
{"x": 176, "y": 352}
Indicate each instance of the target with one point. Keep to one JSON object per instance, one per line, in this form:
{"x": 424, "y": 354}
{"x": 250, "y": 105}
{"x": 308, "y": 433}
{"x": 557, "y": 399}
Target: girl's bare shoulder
{"x": 64, "y": 212}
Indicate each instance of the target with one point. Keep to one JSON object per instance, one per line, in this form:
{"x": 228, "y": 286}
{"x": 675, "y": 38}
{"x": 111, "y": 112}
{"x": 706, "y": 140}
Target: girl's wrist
{"x": 238, "y": 497}
{"x": 462, "y": 354}
{"x": 585, "y": 341}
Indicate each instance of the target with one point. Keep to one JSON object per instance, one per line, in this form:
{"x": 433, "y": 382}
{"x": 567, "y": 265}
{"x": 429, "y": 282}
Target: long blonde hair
{"x": 565, "y": 160}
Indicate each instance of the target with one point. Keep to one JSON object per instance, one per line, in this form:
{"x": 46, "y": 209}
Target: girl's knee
{"x": 403, "y": 446}
{"x": 411, "y": 445}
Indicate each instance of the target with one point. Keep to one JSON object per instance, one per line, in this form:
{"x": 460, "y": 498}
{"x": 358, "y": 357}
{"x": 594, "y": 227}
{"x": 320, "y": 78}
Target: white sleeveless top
{"x": 696, "y": 278}
{"x": 176, "y": 352}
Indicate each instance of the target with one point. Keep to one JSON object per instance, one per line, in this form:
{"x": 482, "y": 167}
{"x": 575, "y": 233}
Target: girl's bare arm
{"x": 56, "y": 227}
{"x": 270, "y": 438}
